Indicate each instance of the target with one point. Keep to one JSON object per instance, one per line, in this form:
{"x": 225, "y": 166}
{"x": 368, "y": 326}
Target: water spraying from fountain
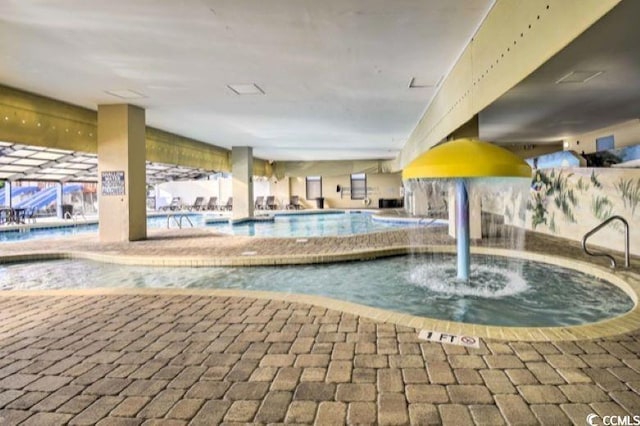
{"x": 464, "y": 161}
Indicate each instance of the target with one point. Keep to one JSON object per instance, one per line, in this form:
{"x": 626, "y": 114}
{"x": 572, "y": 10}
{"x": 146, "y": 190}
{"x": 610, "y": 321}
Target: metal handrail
{"x": 175, "y": 217}
{"x": 184, "y": 216}
{"x": 626, "y": 241}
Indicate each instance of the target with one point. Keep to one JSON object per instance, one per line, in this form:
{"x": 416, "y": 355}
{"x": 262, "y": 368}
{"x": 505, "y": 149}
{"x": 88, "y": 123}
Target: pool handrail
{"x": 627, "y": 262}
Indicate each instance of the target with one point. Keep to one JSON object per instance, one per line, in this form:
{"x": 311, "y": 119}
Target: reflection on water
{"x": 508, "y": 292}
{"x": 311, "y": 225}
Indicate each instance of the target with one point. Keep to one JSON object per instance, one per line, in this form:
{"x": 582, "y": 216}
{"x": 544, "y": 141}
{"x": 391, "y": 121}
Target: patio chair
{"x": 229, "y": 205}
{"x": 5, "y": 215}
{"x": 197, "y": 204}
{"x": 259, "y": 204}
{"x": 270, "y": 203}
{"x": 294, "y": 202}
{"x": 176, "y": 204}
{"x": 30, "y": 215}
{"x": 212, "y": 204}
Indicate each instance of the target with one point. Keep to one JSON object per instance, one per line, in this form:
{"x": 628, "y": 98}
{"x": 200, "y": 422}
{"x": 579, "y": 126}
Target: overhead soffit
{"x": 515, "y": 39}
{"x": 591, "y": 84}
{"x": 32, "y": 163}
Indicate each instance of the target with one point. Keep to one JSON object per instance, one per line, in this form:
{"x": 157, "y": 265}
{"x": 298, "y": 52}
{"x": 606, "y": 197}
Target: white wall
{"x": 379, "y": 185}
{"x": 188, "y": 190}
{"x": 624, "y": 134}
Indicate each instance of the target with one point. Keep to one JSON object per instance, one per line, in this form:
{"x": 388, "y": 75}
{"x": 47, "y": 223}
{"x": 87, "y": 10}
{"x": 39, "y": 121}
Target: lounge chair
{"x": 270, "y": 203}
{"x": 259, "y": 203}
{"x": 198, "y": 204}
{"x": 212, "y": 204}
{"x": 176, "y": 204}
{"x": 229, "y": 205}
{"x": 294, "y": 202}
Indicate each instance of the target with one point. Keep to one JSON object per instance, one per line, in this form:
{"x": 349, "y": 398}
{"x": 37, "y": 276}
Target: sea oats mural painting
{"x": 568, "y": 202}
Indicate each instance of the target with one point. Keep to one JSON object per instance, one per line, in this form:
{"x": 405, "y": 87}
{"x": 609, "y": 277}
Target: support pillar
{"x": 242, "y": 184}
{"x": 59, "y": 187}
{"x": 7, "y": 193}
{"x": 122, "y": 191}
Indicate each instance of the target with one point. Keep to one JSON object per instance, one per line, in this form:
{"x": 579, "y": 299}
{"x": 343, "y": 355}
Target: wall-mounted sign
{"x": 112, "y": 183}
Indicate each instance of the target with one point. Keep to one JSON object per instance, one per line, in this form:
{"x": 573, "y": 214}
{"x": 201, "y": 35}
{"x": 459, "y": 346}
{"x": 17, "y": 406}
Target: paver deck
{"x": 196, "y": 357}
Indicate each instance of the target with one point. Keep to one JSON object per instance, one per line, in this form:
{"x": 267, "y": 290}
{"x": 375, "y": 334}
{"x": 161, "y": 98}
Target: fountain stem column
{"x": 462, "y": 230}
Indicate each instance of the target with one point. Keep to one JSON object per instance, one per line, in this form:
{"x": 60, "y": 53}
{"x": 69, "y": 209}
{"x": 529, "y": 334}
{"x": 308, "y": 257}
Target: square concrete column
{"x": 242, "y": 173}
{"x": 121, "y": 173}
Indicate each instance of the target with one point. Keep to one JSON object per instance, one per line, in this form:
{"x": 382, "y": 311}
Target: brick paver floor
{"x": 162, "y": 359}
{"x": 114, "y": 359}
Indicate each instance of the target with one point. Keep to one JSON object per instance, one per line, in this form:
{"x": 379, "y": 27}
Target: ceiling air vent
{"x": 578, "y": 77}
{"x": 418, "y": 83}
{"x": 245, "y": 89}
{"x": 125, "y": 94}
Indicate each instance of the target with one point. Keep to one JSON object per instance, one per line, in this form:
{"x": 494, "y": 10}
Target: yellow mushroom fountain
{"x": 461, "y": 160}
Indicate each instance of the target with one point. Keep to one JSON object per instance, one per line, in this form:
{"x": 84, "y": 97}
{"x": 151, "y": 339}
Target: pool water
{"x": 302, "y": 225}
{"x": 76, "y": 229}
{"x": 502, "y": 291}
{"x": 310, "y": 225}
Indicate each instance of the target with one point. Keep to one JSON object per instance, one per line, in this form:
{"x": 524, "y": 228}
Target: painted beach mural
{"x": 567, "y": 199}
{"x": 568, "y": 202}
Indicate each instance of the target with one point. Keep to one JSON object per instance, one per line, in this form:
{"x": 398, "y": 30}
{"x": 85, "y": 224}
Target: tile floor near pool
{"x": 127, "y": 357}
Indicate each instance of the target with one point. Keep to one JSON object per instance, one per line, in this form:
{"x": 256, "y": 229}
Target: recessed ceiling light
{"x": 125, "y": 94}
{"x": 245, "y": 89}
{"x": 578, "y": 77}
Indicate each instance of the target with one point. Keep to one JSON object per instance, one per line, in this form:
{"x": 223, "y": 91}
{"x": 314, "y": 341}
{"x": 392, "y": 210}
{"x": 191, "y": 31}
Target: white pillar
{"x": 122, "y": 190}
{"x": 59, "y": 188}
{"x": 242, "y": 173}
{"x": 7, "y": 193}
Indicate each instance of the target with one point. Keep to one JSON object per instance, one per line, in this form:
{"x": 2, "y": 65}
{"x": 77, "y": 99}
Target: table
{"x": 10, "y": 215}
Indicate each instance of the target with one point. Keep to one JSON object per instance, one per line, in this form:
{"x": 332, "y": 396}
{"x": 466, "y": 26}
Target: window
{"x": 359, "y": 186}
{"x": 604, "y": 144}
{"x": 314, "y": 187}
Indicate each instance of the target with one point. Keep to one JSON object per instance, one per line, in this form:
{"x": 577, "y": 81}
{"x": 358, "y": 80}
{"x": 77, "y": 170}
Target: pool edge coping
{"x": 627, "y": 281}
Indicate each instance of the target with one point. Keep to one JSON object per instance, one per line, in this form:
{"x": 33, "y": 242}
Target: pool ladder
{"x": 74, "y": 217}
{"x": 177, "y": 218}
{"x": 626, "y": 241}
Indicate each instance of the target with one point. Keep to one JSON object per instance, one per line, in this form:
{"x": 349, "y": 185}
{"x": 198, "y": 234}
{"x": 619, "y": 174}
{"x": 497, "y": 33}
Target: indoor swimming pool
{"x": 282, "y": 225}
{"x": 39, "y": 231}
{"x": 316, "y": 225}
{"x": 501, "y": 291}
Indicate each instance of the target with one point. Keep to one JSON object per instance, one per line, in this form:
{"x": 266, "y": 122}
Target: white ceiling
{"x": 335, "y": 73}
